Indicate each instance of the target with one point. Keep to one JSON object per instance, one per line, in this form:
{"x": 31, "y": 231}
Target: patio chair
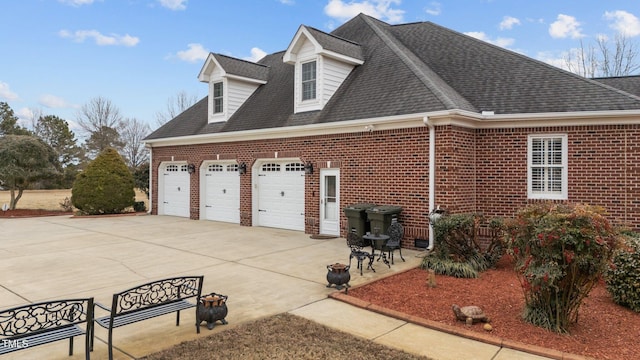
{"x": 356, "y": 243}
{"x": 395, "y": 232}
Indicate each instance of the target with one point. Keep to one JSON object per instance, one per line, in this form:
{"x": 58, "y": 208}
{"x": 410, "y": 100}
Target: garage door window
{"x": 271, "y": 167}
{"x": 215, "y": 168}
{"x": 232, "y": 168}
{"x": 294, "y": 167}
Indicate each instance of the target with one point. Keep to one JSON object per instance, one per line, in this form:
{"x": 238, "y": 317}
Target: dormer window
{"x": 309, "y": 81}
{"x": 231, "y": 82}
{"x": 321, "y": 62}
{"x": 218, "y": 98}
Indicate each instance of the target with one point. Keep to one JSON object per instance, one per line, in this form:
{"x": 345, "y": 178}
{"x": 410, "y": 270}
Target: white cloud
{"x": 559, "y": 61}
{"x": 76, "y": 3}
{"x": 52, "y": 101}
{"x": 195, "y": 53}
{"x": 174, "y": 4}
{"x": 502, "y": 42}
{"x": 565, "y": 26}
{"x": 287, "y": 2}
{"x": 435, "y": 8}
{"x": 6, "y": 93}
{"x": 256, "y": 54}
{"x": 508, "y": 22}
{"x": 623, "y": 22}
{"x": 379, "y": 9}
{"x": 25, "y": 115}
{"x": 100, "y": 39}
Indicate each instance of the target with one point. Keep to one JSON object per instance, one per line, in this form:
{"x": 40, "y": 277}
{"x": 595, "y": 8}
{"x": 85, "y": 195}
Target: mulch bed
{"x": 604, "y": 330}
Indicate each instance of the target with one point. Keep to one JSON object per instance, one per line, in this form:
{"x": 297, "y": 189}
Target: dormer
{"x": 322, "y": 62}
{"x": 231, "y": 82}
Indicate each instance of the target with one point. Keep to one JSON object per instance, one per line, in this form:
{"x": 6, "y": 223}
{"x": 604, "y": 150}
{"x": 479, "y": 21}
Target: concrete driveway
{"x": 263, "y": 271}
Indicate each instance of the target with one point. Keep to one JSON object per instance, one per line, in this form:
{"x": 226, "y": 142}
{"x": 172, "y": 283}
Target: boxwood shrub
{"x": 623, "y": 275}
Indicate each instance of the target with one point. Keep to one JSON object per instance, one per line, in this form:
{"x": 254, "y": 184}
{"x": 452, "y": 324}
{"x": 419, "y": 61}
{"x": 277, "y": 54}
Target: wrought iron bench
{"x": 26, "y": 326}
{"x": 150, "y": 300}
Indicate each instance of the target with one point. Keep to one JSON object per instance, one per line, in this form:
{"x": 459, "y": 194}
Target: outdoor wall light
{"x": 191, "y": 168}
{"x": 242, "y": 168}
{"x": 308, "y": 168}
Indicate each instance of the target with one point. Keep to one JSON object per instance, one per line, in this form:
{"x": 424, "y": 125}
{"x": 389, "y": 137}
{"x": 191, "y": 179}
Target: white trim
{"x": 564, "y": 192}
{"x": 291, "y": 57}
{"x": 323, "y": 226}
{"x": 473, "y": 120}
{"x": 245, "y": 79}
{"x": 462, "y": 118}
{"x": 341, "y": 127}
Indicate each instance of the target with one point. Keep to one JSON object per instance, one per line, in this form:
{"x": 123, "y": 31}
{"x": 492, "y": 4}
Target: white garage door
{"x": 222, "y": 193}
{"x": 176, "y": 190}
{"x": 281, "y": 195}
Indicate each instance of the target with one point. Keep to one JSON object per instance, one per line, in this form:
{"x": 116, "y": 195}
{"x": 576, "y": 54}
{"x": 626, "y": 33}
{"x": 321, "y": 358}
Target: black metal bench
{"x": 26, "y": 326}
{"x": 150, "y": 300}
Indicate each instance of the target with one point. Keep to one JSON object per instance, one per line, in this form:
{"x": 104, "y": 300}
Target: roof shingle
{"x": 408, "y": 69}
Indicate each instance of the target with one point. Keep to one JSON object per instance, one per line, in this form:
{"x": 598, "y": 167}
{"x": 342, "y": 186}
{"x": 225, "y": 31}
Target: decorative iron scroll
{"x": 36, "y": 317}
{"x": 157, "y": 292}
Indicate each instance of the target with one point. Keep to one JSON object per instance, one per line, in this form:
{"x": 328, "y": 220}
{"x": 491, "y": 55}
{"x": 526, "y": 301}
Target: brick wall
{"x": 603, "y": 164}
{"x": 477, "y": 170}
{"x": 383, "y": 167}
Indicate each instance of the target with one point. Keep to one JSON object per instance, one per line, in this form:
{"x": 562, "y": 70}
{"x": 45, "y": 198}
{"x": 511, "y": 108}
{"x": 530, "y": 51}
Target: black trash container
{"x": 382, "y": 216}
{"x": 357, "y": 218}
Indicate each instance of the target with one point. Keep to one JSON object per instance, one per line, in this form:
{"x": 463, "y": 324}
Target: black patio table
{"x": 377, "y": 243}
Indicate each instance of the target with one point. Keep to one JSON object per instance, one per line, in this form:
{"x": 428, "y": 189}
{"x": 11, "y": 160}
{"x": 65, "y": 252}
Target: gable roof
{"x": 234, "y": 67}
{"x": 411, "y": 69}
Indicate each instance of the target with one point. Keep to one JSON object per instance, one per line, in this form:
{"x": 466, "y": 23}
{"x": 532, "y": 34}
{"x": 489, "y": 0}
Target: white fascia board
{"x": 341, "y": 127}
{"x": 246, "y": 79}
{"x": 342, "y": 58}
{"x": 460, "y": 118}
{"x": 289, "y": 56}
{"x": 205, "y": 72}
{"x": 473, "y": 120}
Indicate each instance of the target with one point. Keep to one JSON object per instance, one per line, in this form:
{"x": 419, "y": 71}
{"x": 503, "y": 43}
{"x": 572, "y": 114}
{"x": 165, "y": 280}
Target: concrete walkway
{"x": 263, "y": 271}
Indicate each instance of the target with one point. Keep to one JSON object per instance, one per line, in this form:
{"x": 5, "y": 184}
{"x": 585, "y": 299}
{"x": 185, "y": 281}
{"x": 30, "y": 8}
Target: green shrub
{"x": 623, "y": 275}
{"x": 560, "y": 253}
{"x": 449, "y": 267}
{"x": 104, "y": 187}
{"x": 458, "y": 251}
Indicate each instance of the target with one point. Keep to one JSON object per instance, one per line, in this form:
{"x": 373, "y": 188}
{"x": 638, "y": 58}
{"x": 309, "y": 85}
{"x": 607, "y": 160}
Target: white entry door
{"x": 281, "y": 195}
{"x": 330, "y": 202}
{"x": 222, "y": 192}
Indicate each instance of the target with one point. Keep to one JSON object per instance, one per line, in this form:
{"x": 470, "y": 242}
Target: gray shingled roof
{"x": 630, "y": 84}
{"x": 408, "y": 69}
{"x": 242, "y": 67}
{"x": 336, "y": 44}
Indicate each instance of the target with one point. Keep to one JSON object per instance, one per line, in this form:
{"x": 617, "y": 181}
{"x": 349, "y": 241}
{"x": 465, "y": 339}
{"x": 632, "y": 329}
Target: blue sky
{"x": 59, "y": 54}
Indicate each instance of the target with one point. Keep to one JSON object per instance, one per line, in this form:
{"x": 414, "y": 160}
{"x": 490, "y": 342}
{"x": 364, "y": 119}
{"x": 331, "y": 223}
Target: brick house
{"x": 414, "y": 115}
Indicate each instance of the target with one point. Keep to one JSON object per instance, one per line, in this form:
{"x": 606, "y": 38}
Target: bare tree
{"x": 604, "y": 58}
{"x": 175, "y": 105}
{"x": 101, "y": 121}
{"x": 132, "y": 134}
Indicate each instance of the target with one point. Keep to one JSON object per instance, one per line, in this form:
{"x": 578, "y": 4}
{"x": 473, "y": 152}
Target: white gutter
{"x": 432, "y": 176}
{"x": 341, "y": 127}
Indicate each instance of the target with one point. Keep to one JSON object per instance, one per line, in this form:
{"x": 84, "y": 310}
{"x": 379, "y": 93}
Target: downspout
{"x": 150, "y": 179}
{"x": 432, "y": 175}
